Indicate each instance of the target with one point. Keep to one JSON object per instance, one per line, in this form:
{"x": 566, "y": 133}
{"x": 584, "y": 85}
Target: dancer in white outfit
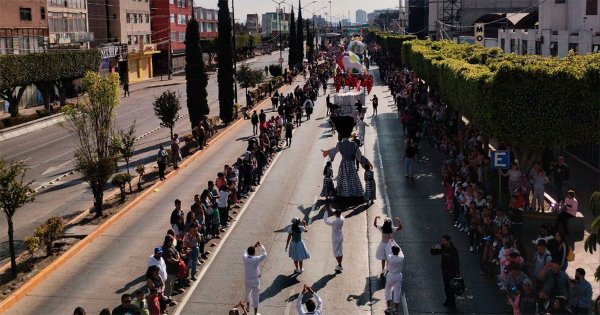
{"x": 311, "y": 306}
{"x": 393, "y": 282}
{"x": 337, "y": 236}
{"x": 387, "y": 229}
{"x": 252, "y": 272}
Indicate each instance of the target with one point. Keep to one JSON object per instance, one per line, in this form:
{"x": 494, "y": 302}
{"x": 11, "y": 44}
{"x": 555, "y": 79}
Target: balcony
{"x": 70, "y": 38}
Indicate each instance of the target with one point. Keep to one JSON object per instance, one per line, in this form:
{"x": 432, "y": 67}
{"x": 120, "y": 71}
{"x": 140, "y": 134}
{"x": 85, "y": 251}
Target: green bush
{"x": 49, "y": 232}
{"x": 32, "y": 244}
{"x": 529, "y": 101}
{"x": 275, "y": 70}
{"x": 121, "y": 180}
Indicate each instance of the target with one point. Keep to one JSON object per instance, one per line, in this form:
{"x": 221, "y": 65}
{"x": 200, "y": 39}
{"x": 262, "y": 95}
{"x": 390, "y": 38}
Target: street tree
{"x": 593, "y": 240}
{"x": 166, "y": 108}
{"x": 92, "y": 123}
{"x": 124, "y": 144}
{"x": 195, "y": 75}
{"x": 248, "y": 77}
{"x": 292, "y": 54}
{"x": 310, "y": 43}
{"x": 300, "y": 36}
{"x": 14, "y": 193}
{"x": 225, "y": 63}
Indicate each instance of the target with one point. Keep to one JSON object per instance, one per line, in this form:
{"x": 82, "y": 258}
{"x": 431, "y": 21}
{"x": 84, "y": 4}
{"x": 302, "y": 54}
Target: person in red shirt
{"x": 153, "y": 304}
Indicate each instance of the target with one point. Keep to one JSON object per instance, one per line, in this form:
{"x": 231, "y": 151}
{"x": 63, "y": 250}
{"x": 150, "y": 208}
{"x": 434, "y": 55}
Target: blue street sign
{"x": 500, "y": 159}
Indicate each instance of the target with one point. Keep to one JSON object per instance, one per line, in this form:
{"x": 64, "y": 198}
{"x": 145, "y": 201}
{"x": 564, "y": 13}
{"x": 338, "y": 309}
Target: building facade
{"x": 562, "y": 26}
{"x": 361, "y": 16}
{"x": 23, "y": 26}
{"x": 168, "y": 21}
{"x": 272, "y": 21}
{"x": 208, "y": 21}
{"x": 125, "y": 22}
{"x": 68, "y": 24}
{"x": 252, "y": 24}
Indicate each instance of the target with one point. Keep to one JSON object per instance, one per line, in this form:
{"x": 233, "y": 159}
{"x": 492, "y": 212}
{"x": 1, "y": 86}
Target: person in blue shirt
{"x": 580, "y": 294}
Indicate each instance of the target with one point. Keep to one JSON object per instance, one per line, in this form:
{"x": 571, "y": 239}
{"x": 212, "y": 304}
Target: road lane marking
{"x": 387, "y": 204}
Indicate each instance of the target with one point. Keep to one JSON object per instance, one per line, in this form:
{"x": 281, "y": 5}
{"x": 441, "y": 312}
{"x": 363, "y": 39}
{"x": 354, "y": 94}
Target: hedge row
{"x": 392, "y": 43}
{"x": 529, "y": 101}
{"x": 22, "y": 70}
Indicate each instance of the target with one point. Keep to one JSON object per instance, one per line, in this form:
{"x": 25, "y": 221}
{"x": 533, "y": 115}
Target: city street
{"x": 49, "y": 151}
{"x": 115, "y": 263}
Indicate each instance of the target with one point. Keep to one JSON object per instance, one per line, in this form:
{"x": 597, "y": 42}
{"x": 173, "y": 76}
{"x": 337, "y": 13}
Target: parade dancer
{"x": 252, "y": 273}
{"x": 328, "y": 190}
{"x": 312, "y": 307}
{"x": 369, "y": 185}
{"x": 393, "y": 282}
{"x": 297, "y": 248}
{"x": 387, "y": 230}
{"x": 337, "y": 236}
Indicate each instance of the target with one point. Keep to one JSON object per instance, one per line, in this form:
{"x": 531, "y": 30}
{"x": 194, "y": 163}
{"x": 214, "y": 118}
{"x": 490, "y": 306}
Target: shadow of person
{"x": 279, "y": 283}
{"x": 371, "y": 285}
{"x": 131, "y": 284}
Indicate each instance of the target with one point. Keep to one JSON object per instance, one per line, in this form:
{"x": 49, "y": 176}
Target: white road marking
{"x": 223, "y": 239}
{"x": 387, "y": 206}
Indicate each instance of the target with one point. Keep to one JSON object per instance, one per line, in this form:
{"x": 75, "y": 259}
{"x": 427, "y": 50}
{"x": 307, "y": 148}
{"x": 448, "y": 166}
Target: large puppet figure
{"x": 348, "y": 181}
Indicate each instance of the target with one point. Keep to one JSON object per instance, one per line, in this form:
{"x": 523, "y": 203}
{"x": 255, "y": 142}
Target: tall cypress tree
{"x": 225, "y": 63}
{"x": 195, "y": 75}
{"x": 292, "y": 59}
{"x": 310, "y": 42}
{"x": 300, "y": 37}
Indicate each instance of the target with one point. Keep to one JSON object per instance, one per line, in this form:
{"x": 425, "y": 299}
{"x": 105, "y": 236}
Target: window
{"x": 181, "y": 3}
{"x": 554, "y": 49}
{"x": 182, "y": 37}
{"x": 147, "y": 18}
{"x": 595, "y": 48}
{"x": 6, "y": 46}
{"x": 128, "y": 39}
{"x": 181, "y": 19}
{"x": 502, "y": 43}
{"x": 524, "y": 46}
{"x": 135, "y": 19}
{"x": 512, "y": 45}
{"x": 173, "y": 36}
{"x": 141, "y": 18}
{"x": 135, "y": 40}
{"x": 559, "y": 1}
{"x": 148, "y": 41}
{"x": 591, "y": 7}
{"x": 43, "y": 13}
{"x": 171, "y": 1}
{"x": 538, "y": 47}
{"x": 128, "y": 17}
{"x": 574, "y": 47}
{"x": 172, "y": 17}
{"x": 25, "y": 14}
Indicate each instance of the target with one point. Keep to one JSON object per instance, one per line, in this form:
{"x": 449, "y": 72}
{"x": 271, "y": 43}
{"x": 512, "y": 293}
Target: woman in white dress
{"x": 387, "y": 230}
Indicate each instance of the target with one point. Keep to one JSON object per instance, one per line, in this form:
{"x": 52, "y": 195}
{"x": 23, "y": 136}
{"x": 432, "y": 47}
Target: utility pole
{"x": 169, "y": 60}
{"x": 233, "y": 40}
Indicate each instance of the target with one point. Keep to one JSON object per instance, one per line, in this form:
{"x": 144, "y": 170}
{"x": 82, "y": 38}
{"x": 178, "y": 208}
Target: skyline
{"x": 339, "y": 8}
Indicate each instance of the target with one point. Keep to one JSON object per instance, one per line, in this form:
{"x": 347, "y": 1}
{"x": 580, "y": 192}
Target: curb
{"x": 28, "y": 286}
{"x": 23, "y": 129}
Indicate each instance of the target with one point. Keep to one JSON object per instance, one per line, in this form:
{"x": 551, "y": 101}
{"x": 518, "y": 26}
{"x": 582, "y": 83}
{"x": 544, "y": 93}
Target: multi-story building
{"x": 562, "y": 26}
{"x": 168, "y": 20}
{"x": 453, "y": 18}
{"x": 361, "y": 16}
{"x": 68, "y": 24}
{"x": 252, "y": 25}
{"x": 208, "y": 20}
{"x": 125, "y": 22}
{"x": 23, "y": 26}
{"x": 272, "y": 21}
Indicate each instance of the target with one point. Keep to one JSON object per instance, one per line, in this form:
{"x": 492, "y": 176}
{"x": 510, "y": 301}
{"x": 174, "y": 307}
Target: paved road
{"x": 115, "y": 263}
{"x": 49, "y": 152}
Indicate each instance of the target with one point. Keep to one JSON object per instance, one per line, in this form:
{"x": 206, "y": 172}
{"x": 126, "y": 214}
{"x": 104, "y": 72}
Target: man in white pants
{"x": 337, "y": 236}
{"x": 252, "y": 272}
{"x": 393, "y": 282}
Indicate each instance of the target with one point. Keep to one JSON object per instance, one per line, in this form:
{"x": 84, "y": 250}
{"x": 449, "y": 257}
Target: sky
{"x": 339, "y": 8}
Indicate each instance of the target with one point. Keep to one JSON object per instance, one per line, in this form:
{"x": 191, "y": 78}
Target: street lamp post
{"x": 233, "y": 41}
{"x": 280, "y": 36}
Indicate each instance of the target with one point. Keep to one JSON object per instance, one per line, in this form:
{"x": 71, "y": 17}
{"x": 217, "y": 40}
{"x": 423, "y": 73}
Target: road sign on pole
{"x": 500, "y": 159}
{"x": 479, "y": 34}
